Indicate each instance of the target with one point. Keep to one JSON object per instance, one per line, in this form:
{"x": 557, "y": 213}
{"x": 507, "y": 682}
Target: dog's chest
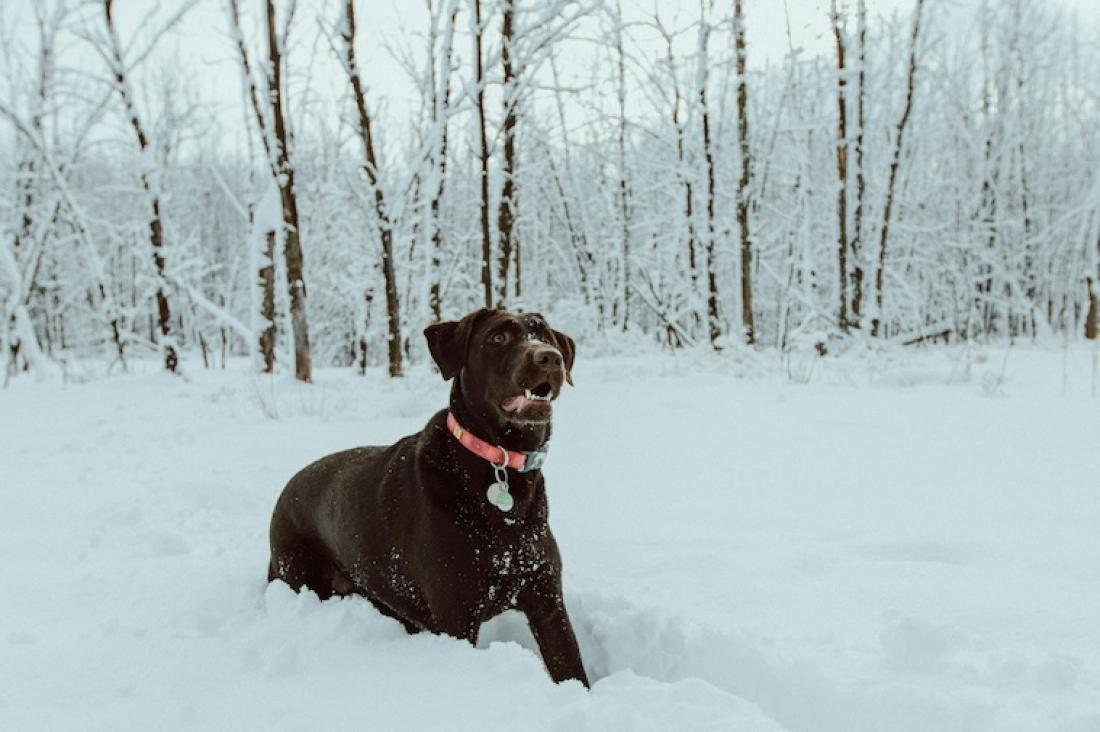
{"x": 507, "y": 563}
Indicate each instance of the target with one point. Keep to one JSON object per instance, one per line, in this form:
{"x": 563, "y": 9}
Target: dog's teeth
{"x": 527, "y": 393}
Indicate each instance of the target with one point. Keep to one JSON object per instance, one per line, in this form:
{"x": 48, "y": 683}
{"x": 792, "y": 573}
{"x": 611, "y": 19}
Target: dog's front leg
{"x": 544, "y": 607}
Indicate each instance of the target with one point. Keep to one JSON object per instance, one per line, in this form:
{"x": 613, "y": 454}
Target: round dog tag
{"x": 499, "y": 496}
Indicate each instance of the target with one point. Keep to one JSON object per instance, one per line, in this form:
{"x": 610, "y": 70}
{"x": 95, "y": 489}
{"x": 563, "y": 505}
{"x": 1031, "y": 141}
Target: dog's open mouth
{"x": 536, "y": 399}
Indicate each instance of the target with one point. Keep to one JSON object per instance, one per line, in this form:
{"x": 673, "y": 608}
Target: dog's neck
{"x": 483, "y": 420}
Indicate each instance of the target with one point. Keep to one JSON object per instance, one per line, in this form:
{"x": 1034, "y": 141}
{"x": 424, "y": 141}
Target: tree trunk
{"x": 486, "y": 234}
{"x": 441, "y": 102}
{"x": 156, "y": 229}
{"x": 266, "y": 274}
{"x": 506, "y": 213}
{"x": 1092, "y": 317}
{"x": 624, "y": 203}
{"x": 686, "y": 179}
{"x": 857, "y": 223}
{"x": 713, "y": 326}
{"x": 841, "y": 167}
{"x": 393, "y": 311}
{"x": 894, "y": 163}
{"x": 292, "y": 246}
{"x": 984, "y": 288}
{"x": 743, "y": 182}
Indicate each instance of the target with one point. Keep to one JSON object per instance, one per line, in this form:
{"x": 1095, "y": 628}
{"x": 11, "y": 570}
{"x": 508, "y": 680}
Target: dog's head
{"x": 514, "y": 361}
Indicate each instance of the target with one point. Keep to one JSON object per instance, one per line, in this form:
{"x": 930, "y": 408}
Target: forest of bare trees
{"x": 935, "y": 175}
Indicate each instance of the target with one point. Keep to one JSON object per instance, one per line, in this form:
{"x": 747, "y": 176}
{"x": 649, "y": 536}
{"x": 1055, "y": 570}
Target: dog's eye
{"x": 498, "y": 339}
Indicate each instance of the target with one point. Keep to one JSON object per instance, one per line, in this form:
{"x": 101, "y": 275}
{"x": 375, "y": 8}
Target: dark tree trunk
{"x": 156, "y": 231}
{"x": 841, "y": 167}
{"x": 624, "y": 202}
{"x": 1092, "y": 317}
{"x": 857, "y": 222}
{"x": 292, "y": 247}
{"x": 486, "y": 233}
{"x": 368, "y": 300}
{"x": 713, "y": 325}
{"x": 689, "y": 194}
{"x": 266, "y": 274}
{"x": 441, "y": 103}
{"x": 894, "y": 163}
{"x": 506, "y": 214}
{"x": 393, "y": 311}
{"x": 743, "y": 181}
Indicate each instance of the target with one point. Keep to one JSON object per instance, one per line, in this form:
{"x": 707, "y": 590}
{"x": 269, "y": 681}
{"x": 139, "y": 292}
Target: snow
{"x": 905, "y": 542}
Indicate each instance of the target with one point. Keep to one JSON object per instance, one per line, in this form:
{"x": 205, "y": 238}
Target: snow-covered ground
{"x": 905, "y": 542}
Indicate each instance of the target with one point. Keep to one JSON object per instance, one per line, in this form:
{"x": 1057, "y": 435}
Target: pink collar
{"x": 523, "y": 462}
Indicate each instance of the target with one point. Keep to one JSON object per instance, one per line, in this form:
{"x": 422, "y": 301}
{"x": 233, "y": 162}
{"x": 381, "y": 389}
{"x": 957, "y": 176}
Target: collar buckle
{"x": 533, "y": 460}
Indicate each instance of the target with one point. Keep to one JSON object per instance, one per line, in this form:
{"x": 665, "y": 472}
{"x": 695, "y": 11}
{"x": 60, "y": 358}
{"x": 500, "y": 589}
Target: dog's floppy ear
{"x": 448, "y": 343}
{"x": 568, "y": 350}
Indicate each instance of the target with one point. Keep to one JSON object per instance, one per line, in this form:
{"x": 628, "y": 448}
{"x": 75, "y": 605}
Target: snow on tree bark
{"x": 371, "y": 169}
{"x": 150, "y": 181}
{"x": 910, "y": 83}
{"x": 838, "y": 21}
{"x": 625, "y": 182}
{"x": 861, "y": 183}
{"x": 267, "y": 221}
{"x": 477, "y": 30}
{"x": 743, "y": 181}
{"x": 510, "y": 101}
{"x": 714, "y": 327}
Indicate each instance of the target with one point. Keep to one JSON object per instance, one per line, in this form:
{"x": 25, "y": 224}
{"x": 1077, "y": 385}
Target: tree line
{"x": 916, "y": 182}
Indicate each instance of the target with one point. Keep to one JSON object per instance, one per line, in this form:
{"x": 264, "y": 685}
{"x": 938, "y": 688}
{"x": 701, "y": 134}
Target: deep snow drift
{"x": 906, "y": 542}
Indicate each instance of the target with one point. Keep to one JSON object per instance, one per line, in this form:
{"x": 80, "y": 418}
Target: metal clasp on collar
{"x": 500, "y": 472}
{"x": 533, "y": 460}
{"x": 498, "y": 494}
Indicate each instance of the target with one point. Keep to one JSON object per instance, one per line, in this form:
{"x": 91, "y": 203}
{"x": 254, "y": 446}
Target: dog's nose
{"x": 548, "y": 358}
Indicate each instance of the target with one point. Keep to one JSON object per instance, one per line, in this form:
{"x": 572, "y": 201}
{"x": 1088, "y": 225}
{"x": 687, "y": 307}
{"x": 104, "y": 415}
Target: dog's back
{"x": 328, "y": 505}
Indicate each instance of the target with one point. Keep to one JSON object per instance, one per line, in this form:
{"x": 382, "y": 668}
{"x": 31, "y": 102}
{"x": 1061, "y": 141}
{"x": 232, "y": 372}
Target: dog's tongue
{"x": 514, "y": 404}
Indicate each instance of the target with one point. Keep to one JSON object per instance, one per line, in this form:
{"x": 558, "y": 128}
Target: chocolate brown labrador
{"x": 434, "y": 530}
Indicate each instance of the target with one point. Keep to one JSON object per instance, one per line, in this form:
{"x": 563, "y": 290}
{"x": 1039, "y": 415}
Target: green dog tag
{"x": 499, "y": 496}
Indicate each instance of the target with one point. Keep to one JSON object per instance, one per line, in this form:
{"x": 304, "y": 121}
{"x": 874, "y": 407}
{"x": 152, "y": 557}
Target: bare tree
{"x": 624, "y": 202}
{"x": 683, "y": 174}
{"x": 861, "y": 183}
{"x": 910, "y": 82}
{"x": 477, "y": 31}
{"x": 103, "y": 299}
{"x": 385, "y": 225}
{"x": 275, "y": 136}
{"x": 837, "y": 21}
{"x": 1092, "y": 316}
{"x": 266, "y": 221}
{"x": 506, "y": 213}
{"x": 441, "y": 110}
{"x": 743, "y": 181}
{"x": 263, "y": 237}
{"x": 21, "y": 257}
{"x": 573, "y": 219}
{"x": 714, "y": 329}
{"x": 150, "y": 181}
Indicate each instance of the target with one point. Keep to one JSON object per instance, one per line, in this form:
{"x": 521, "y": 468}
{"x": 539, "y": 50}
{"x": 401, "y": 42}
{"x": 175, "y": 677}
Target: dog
{"x": 447, "y": 527}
